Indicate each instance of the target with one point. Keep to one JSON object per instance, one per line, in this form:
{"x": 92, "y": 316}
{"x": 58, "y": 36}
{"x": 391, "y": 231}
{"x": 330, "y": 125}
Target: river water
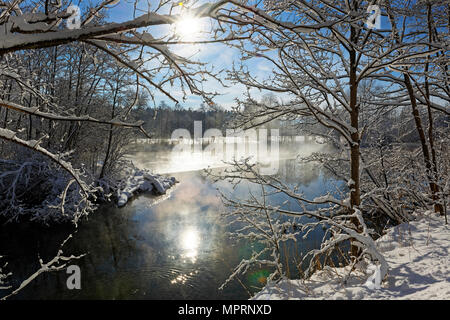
{"x": 174, "y": 246}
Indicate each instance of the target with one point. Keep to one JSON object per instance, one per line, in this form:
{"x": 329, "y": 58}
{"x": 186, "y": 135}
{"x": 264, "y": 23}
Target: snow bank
{"x": 418, "y": 256}
{"x": 143, "y": 181}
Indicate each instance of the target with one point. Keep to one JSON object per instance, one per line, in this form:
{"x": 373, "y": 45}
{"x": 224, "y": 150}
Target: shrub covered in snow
{"x": 417, "y": 253}
{"x": 142, "y": 181}
{"x": 41, "y": 191}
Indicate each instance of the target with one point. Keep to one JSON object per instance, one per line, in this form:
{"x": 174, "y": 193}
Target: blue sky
{"x": 217, "y": 55}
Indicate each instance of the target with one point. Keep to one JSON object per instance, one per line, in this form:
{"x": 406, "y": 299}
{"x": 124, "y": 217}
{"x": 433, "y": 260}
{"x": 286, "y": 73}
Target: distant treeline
{"x": 160, "y": 122}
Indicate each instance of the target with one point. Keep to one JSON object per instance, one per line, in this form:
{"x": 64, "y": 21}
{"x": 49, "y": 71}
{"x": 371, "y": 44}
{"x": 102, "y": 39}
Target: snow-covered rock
{"x": 417, "y": 253}
{"x": 143, "y": 181}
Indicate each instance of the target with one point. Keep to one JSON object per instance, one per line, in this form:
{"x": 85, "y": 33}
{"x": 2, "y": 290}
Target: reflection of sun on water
{"x": 190, "y": 241}
{"x": 182, "y": 278}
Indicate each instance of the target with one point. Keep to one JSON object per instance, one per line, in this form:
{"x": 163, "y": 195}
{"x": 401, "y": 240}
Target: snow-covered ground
{"x": 143, "y": 181}
{"x": 419, "y": 265}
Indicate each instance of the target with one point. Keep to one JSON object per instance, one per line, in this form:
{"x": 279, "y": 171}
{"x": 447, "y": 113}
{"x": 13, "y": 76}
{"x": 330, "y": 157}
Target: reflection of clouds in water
{"x": 186, "y": 219}
{"x": 147, "y": 253}
{"x": 192, "y": 196}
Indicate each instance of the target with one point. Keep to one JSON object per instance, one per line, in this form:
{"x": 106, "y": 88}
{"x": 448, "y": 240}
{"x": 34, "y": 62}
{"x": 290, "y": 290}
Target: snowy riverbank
{"x": 143, "y": 181}
{"x": 419, "y": 265}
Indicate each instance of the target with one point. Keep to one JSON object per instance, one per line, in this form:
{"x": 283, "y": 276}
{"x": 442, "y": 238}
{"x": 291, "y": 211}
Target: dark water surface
{"x": 168, "y": 247}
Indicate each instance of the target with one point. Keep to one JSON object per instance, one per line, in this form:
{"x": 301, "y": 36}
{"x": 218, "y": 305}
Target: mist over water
{"x": 168, "y": 158}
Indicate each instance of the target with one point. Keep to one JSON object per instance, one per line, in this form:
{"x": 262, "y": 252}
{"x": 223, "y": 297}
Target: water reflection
{"x": 189, "y": 243}
{"x": 151, "y": 249}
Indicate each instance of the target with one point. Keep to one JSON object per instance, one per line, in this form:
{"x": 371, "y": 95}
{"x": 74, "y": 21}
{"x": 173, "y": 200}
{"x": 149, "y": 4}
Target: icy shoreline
{"x": 418, "y": 256}
{"x": 143, "y": 181}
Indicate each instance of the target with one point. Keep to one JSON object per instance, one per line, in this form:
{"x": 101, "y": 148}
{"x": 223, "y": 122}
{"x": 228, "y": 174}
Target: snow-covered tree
{"x": 328, "y": 64}
{"x": 58, "y": 64}
{"x": 46, "y": 110}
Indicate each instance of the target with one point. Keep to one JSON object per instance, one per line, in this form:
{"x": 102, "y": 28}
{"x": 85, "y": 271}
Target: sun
{"x": 188, "y": 28}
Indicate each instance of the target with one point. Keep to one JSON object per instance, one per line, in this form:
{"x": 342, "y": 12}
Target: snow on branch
{"x": 259, "y": 220}
{"x": 46, "y": 115}
{"x": 13, "y": 42}
{"x": 4, "y": 276}
{"x": 34, "y": 145}
{"x": 57, "y": 263}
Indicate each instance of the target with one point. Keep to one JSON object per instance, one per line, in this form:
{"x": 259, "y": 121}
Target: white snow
{"x": 143, "y": 181}
{"x": 418, "y": 256}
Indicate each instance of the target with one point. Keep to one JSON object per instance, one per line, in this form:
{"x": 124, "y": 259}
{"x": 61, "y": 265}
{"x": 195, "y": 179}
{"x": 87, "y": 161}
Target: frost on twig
{"x": 258, "y": 219}
{"x": 4, "y": 276}
{"x": 42, "y": 191}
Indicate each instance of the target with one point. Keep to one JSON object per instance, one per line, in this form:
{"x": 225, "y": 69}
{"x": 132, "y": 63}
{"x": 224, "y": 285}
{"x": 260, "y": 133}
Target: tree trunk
{"x": 355, "y": 192}
{"x": 110, "y": 135}
{"x": 422, "y": 137}
{"x": 433, "y": 184}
